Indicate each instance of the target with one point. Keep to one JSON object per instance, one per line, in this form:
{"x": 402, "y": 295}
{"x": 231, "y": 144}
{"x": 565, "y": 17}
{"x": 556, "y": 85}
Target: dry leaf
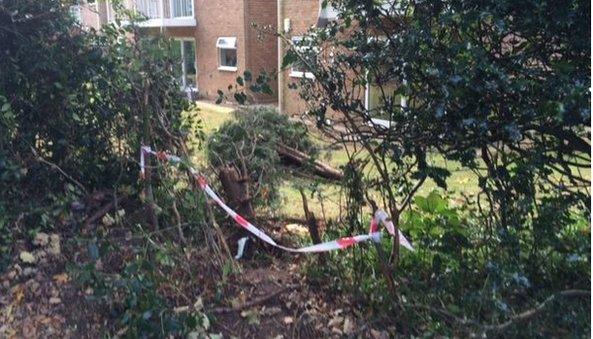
{"x": 27, "y": 257}
{"x": 348, "y": 326}
{"x": 335, "y": 322}
{"x": 107, "y": 220}
{"x": 19, "y": 294}
{"x": 61, "y": 278}
{"x": 41, "y": 239}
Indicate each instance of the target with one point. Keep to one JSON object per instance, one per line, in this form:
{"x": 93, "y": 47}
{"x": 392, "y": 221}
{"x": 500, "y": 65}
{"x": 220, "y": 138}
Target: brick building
{"x": 216, "y": 39}
{"x": 94, "y": 15}
{"x": 295, "y": 18}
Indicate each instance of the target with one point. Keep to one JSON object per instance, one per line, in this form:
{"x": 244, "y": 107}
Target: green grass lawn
{"x": 213, "y": 116}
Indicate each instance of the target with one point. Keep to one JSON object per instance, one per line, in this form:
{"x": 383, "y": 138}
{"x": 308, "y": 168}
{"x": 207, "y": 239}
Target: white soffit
{"x": 226, "y": 42}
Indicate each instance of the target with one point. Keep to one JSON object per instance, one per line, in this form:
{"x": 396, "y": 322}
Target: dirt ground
{"x": 268, "y": 298}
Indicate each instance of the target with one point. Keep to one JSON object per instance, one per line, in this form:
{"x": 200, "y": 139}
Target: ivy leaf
{"x": 247, "y": 75}
{"x": 240, "y": 97}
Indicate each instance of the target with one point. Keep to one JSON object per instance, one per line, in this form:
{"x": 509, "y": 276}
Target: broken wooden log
{"x": 301, "y": 159}
{"x": 311, "y": 220}
{"x": 236, "y": 189}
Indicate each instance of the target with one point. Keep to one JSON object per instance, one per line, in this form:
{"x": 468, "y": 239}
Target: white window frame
{"x": 172, "y": 10}
{"x": 76, "y": 12}
{"x": 183, "y": 66}
{"x": 224, "y": 43}
{"x": 367, "y": 89}
{"x": 299, "y": 74}
{"x": 110, "y": 11}
{"x": 403, "y": 101}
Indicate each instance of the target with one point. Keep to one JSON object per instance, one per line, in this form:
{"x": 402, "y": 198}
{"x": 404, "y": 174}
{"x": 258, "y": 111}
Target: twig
{"x": 537, "y": 310}
{"x": 100, "y": 213}
{"x": 254, "y": 302}
{"x": 505, "y": 325}
{"x": 178, "y": 217}
{"x": 56, "y": 167}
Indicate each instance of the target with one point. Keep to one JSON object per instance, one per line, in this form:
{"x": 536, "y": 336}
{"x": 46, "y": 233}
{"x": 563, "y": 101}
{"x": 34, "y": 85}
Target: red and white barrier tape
{"x": 380, "y": 217}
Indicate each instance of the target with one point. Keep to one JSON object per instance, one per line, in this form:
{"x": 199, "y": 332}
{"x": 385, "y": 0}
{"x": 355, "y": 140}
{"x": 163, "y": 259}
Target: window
{"x": 110, "y": 11}
{"x": 382, "y": 93}
{"x": 182, "y": 8}
{"x": 298, "y": 68}
{"x": 76, "y": 13}
{"x": 185, "y": 52}
{"x": 227, "y": 54}
{"x": 326, "y": 15}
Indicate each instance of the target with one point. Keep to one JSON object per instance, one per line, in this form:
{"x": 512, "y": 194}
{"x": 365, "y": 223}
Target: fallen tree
{"x": 295, "y": 157}
{"x": 250, "y": 153}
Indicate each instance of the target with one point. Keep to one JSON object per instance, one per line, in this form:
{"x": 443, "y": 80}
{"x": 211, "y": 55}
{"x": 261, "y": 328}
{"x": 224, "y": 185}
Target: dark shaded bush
{"x": 75, "y": 107}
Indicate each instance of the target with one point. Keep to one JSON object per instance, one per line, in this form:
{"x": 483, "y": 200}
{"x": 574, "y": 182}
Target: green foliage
{"x": 453, "y": 273}
{"x": 134, "y": 298}
{"x": 502, "y": 87}
{"x": 245, "y": 88}
{"x": 75, "y": 106}
{"x": 5, "y": 237}
{"x": 132, "y": 276}
{"x": 249, "y": 144}
{"x": 499, "y": 84}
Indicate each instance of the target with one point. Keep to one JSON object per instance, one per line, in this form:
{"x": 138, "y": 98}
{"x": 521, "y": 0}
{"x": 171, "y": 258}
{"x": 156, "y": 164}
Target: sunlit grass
{"x": 461, "y": 181}
{"x": 211, "y": 117}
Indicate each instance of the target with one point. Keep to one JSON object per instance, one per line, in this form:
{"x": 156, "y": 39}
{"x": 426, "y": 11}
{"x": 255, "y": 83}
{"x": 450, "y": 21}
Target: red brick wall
{"x": 231, "y": 18}
{"x": 221, "y": 18}
{"x": 302, "y": 14}
{"x": 90, "y": 16}
{"x": 262, "y": 49}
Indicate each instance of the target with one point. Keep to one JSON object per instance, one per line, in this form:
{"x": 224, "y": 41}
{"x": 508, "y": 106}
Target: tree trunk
{"x": 297, "y": 157}
{"x": 311, "y": 220}
{"x": 236, "y": 189}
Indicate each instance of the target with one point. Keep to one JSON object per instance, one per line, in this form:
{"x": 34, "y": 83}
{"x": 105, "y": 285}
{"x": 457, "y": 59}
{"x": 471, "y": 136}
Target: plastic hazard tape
{"x": 380, "y": 217}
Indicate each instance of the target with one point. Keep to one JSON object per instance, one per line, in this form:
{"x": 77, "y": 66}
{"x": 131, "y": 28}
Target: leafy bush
{"x": 455, "y": 284}
{"x": 248, "y": 143}
{"x": 75, "y": 106}
{"x": 134, "y": 299}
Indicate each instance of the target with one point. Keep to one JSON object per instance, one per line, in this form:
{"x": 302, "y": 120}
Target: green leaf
{"x": 247, "y": 75}
{"x": 5, "y": 107}
{"x": 240, "y": 97}
{"x": 240, "y": 81}
{"x": 433, "y": 203}
{"x": 436, "y": 202}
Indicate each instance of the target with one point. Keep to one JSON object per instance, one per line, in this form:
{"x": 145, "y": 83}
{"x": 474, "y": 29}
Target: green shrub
{"x": 457, "y": 269}
{"x": 249, "y": 144}
{"x": 75, "y": 106}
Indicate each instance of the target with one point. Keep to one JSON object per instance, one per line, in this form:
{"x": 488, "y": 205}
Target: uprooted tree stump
{"x": 236, "y": 189}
